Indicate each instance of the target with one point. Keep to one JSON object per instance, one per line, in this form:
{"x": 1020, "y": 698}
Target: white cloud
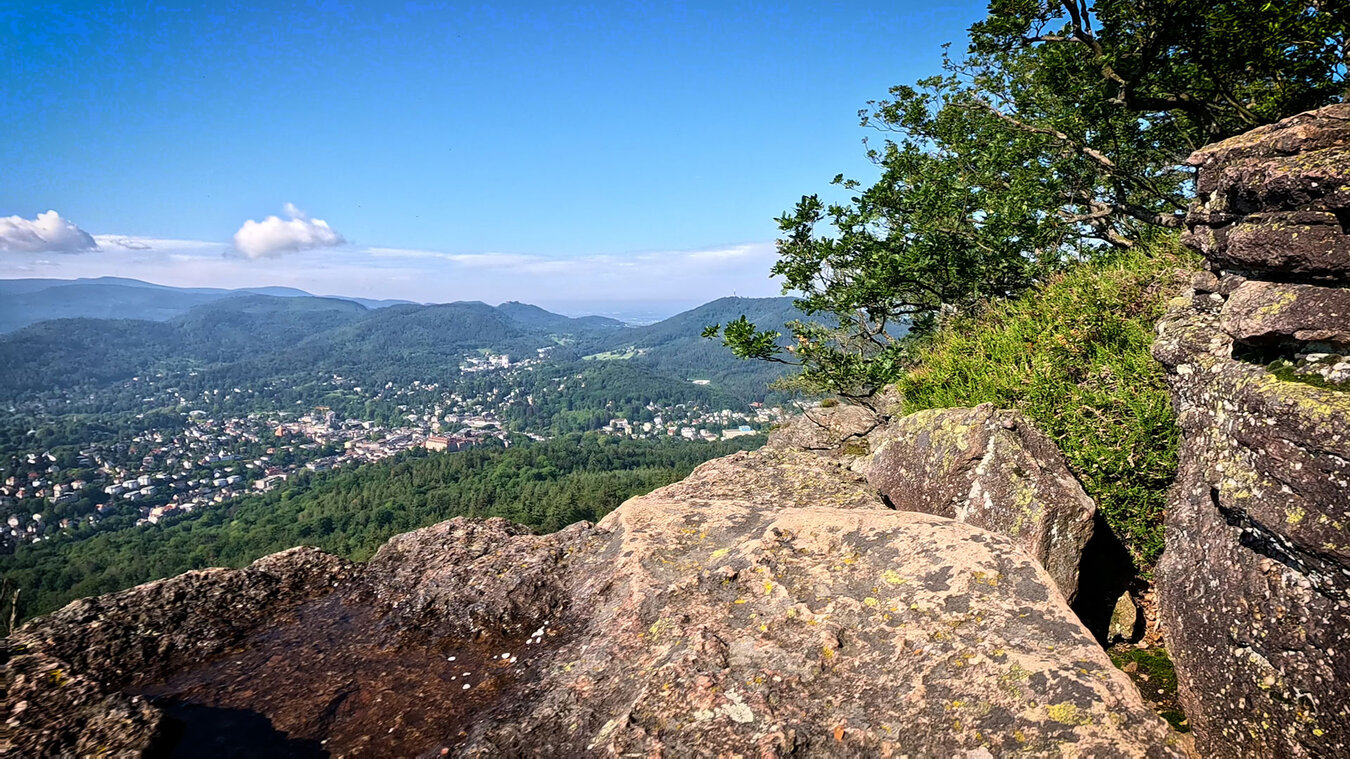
{"x": 469, "y": 260}
{"x": 274, "y": 236}
{"x": 110, "y": 244}
{"x": 48, "y": 233}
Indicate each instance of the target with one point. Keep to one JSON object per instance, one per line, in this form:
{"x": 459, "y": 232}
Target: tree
{"x": 1058, "y": 136}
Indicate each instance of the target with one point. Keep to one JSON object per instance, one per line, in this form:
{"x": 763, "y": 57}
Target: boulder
{"x": 839, "y": 431}
{"x": 1124, "y": 618}
{"x": 1305, "y": 243}
{"x": 733, "y": 613}
{"x": 1266, "y": 312}
{"x": 991, "y": 469}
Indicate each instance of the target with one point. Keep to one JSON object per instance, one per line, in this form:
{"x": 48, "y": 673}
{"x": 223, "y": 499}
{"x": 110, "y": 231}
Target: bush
{"x": 1073, "y": 355}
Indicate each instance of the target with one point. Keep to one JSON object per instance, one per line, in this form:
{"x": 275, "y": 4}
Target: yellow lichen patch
{"x": 1295, "y": 515}
{"x": 1283, "y": 301}
{"x": 1067, "y": 713}
{"x": 891, "y": 577}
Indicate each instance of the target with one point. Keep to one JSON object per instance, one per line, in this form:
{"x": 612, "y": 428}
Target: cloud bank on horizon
{"x": 309, "y": 254}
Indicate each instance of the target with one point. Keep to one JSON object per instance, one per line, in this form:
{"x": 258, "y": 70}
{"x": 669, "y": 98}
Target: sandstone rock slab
{"x": 1270, "y": 311}
{"x": 1300, "y": 243}
{"x": 991, "y": 469}
{"x": 836, "y": 431}
{"x": 732, "y": 613}
{"x": 1254, "y": 583}
{"x": 1306, "y": 132}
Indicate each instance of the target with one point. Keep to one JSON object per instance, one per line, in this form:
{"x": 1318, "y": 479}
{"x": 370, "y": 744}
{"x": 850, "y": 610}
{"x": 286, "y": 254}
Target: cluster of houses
{"x": 692, "y": 423}
{"x": 157, "y": 475}
{"x": 215, "y": 457}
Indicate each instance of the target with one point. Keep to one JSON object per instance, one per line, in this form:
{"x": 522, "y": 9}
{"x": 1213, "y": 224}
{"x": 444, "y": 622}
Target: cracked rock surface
{"x": 1254, "y": 584}
{"x": 769, "y": 604}
{"x": 989, "y": 468}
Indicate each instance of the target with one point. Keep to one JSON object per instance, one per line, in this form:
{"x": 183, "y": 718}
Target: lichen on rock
{"x": 770, "y": 603}
{"x": 1254, "y": 583}
{"x": 990, "y": 468}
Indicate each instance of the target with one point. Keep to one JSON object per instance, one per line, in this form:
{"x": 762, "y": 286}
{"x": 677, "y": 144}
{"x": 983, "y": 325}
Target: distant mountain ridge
{"x": 29, "y": 301}
{"x": 242, "y": 336}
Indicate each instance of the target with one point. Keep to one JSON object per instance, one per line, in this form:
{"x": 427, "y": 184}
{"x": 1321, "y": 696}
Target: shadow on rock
{"x": 206, "y": 732}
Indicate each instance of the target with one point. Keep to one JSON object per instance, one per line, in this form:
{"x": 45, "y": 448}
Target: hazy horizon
{"x": 633, "y": 312}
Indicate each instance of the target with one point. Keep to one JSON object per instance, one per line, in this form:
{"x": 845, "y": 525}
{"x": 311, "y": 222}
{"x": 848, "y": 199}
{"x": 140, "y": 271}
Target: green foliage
{"x": 1286, "y": 370}
{"x": 1074, "y": 356}
{"x": 1057, "y": 136}
{"x": 353, "y": 512}
{"x": 1152, "y": 670}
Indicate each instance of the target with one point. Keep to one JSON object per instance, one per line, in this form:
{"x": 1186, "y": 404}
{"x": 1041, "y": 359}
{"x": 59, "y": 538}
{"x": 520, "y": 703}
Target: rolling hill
{"x": 243, "y": 338}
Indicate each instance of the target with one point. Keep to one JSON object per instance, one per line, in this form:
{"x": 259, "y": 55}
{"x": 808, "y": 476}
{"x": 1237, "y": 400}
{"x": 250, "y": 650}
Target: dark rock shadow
{"x": 1105, "y": 572}
{"x": 195, "y": 731}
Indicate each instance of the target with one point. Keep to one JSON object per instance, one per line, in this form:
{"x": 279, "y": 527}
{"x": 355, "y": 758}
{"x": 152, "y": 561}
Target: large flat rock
{"x": 734, "y": 613}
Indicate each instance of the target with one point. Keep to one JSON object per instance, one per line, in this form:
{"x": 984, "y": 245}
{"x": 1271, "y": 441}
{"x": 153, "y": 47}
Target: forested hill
{"x": 29, "y": 301}
{"x": 247, "y": 339}
{"x": 675, "y": 346}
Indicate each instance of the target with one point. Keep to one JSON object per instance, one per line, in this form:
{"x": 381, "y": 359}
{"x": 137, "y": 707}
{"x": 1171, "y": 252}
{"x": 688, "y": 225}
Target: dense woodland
{"x": 247, "y": 340}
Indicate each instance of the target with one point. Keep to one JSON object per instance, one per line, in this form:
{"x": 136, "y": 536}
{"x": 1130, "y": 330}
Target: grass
{"x": 1074, "y": 356}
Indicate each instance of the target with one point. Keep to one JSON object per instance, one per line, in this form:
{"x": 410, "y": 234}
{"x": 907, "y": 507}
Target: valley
{"x": 125, "y": 425}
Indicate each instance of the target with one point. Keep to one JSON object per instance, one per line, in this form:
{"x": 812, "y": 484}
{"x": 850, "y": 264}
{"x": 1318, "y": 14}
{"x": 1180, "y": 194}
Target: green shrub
{"x": 1073, "y": 355}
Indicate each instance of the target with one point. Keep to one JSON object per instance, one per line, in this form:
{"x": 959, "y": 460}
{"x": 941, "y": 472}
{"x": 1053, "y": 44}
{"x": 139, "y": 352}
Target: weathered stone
{"x": 1305, "y": 132}
{"x": 1229, "y": 283}
{"x": 836, "y": 431}
{"x": 1124, "y": 617}
{"x": 76, "y": 661}
{"x": 731, "y": 613}
{"x": 994, "y": 470}
{"x": 1204, "y": 282}
{"x": 769, "y": 478}
{"x": 1308, "y": 243}
{"x": 1254, "y": 581}
{"x": 1314, "y": 181}
{"x": 1270, "y": 311}
{"x": 53, "y": 711}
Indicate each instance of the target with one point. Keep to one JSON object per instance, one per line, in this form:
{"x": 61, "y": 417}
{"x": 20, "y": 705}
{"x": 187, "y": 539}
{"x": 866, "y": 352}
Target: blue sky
{"x": 542, "y": 152}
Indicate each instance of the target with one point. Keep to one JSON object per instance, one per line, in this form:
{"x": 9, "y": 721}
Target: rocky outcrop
{"x": 991, "y": 469}
{"x": 1254, "y": 584}
{"x": 769, "y": 604}
{"x": 840, "y": 431}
